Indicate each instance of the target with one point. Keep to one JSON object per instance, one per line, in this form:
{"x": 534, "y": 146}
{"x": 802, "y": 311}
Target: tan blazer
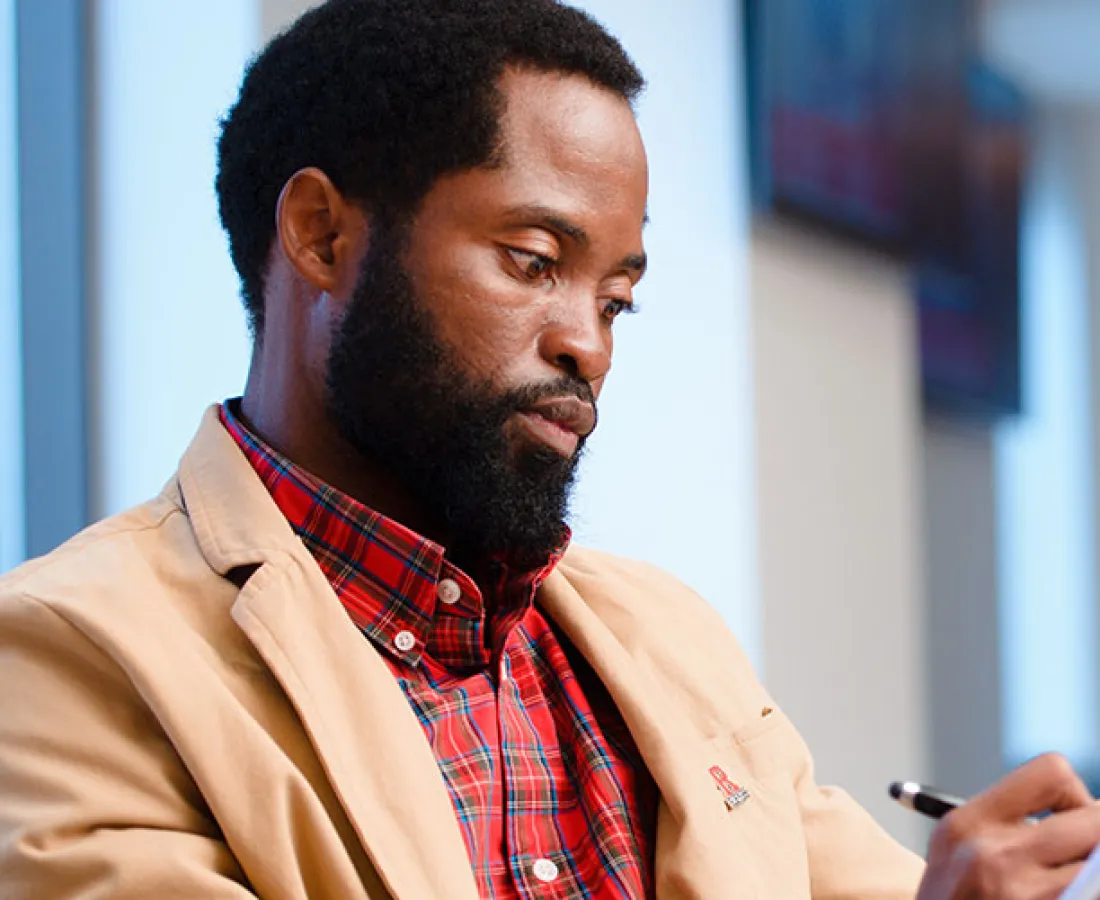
{"x": 187, "y": 711}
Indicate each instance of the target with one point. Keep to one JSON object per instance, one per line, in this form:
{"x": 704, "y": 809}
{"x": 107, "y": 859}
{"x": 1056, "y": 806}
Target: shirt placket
{"x": 540, "y": 868}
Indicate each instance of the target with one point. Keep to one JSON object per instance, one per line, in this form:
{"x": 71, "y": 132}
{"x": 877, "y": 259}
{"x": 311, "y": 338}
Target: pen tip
{"x": 895, "y": 790}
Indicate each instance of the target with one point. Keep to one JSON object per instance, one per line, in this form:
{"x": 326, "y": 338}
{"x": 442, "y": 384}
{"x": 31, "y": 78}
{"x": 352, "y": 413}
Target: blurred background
{"x": 858, "y": 410}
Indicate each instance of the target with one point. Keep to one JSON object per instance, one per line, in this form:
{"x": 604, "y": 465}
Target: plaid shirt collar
{"x": 392, "y": 581}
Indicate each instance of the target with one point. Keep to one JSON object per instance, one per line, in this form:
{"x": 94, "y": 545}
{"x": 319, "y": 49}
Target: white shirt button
{"x": 404, "y": 641}
{"x": 545, "y": 870}
{"x": 448, "y": 591}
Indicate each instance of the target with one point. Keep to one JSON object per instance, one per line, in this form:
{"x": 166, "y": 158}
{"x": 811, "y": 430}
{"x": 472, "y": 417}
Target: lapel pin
{"x": 732, "y": 793}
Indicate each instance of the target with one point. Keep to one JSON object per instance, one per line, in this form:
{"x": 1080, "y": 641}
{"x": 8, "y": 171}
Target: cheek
{"x": 496, "y": 339}
{"x": 597, "y": 386}
{"x": 489, "y": 321}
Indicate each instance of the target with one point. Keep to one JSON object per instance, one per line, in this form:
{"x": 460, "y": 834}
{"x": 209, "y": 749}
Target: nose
{"x": 578, "y": 341}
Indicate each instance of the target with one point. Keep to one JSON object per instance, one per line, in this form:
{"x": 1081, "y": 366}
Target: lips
{"x": 568, "y": 413}
{"x": 559, "y": 423}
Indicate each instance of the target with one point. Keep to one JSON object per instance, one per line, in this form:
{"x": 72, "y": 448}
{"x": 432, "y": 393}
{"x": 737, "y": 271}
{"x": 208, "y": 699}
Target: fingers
{"x": 1006, "y": 861}
{"x": 1064, "y": 838}
{"x": 987, "y": 848}
{"x": 991, "y": 878}
{"x": 1045, "y": 784}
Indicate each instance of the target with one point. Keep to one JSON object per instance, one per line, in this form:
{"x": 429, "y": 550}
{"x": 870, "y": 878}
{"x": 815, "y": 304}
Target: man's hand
{"x": 988, "y": 848}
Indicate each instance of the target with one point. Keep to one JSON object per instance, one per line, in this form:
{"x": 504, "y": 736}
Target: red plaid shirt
{"x": 551, "y": 795}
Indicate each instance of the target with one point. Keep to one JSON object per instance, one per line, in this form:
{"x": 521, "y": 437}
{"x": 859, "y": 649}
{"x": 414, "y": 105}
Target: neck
{"x": 288, "y": 415}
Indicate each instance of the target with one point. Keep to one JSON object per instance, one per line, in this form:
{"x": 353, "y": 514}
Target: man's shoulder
{"x": 116, "y": 557}
{"x": 642, "y": 602}
{"x": 680, "y": 637}
{"x": 653, "y": 592}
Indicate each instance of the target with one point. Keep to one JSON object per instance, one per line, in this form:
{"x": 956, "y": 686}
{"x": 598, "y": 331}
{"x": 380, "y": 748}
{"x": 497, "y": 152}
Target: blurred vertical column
{"x": 50, "y": 67}
{"x": 838, "y": 432}
{"x": 1045, "y": 472}
{"x": 12, "y": 512}
{"x": 168, "y": 335}
{"x": 1047, "y": 463}
{"x": 961, "y": 558}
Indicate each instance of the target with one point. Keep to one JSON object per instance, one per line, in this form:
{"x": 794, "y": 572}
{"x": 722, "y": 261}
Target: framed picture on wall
{"x": 879, "y": 121}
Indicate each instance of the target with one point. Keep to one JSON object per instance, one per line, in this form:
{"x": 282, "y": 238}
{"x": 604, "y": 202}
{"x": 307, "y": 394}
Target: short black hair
{"x": 385, "y": 96}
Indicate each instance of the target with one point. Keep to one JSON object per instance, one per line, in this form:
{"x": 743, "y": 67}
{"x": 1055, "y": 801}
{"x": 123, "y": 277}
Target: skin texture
{"x": 571, "y": 188}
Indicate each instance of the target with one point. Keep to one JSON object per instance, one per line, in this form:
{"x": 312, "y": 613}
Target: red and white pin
{"x": 733, "y": 794}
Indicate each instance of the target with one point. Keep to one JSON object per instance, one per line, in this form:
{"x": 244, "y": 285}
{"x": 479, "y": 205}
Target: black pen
{"x": 924, "y": 799}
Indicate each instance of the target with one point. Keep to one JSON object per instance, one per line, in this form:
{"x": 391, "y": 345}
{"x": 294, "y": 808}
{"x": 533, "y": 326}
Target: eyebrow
{"x": 554, "y": 221}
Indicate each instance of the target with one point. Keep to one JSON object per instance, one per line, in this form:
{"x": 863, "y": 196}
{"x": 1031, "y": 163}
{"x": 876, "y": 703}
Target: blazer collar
{"x": 233, "y": 517}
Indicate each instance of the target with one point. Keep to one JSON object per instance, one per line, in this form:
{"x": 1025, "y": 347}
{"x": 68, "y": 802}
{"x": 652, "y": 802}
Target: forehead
{"x": 570, "y": 150}
{"x": 565, "y": 135}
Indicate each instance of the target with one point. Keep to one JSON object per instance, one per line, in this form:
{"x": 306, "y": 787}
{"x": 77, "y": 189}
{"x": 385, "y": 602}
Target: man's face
{"x": 471, "y": 356}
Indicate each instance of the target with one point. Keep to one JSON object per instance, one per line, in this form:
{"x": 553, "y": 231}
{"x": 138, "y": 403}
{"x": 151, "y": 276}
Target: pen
{"x": 924, "y": 799}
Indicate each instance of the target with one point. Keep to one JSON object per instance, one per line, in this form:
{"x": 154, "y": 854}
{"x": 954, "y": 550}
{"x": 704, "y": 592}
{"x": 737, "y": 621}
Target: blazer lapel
{"x": 365, "y": 734}
{"x": 361, "y": 726}
{"x": 699, "y": 851}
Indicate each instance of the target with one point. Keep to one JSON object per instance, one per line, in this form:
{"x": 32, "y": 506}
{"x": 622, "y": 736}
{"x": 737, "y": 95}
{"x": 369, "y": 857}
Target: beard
{"x": 402, "y": 398}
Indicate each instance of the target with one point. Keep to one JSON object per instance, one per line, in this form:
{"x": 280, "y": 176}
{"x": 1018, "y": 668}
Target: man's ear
{"x": 320, "y": 231}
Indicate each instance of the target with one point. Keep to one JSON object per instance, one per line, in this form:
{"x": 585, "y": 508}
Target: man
{"x": 348, "y": 652}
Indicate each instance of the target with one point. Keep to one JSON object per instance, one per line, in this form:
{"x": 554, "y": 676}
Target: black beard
{"x": 402, "y": 399}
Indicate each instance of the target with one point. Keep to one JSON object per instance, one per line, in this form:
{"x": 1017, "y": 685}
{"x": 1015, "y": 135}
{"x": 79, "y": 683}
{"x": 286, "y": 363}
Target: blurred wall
{"x": 275, "y": 15}
{"x": 838, "y": 453}
{"x": 962, "y": 600}
{"x": 169, "y": 335}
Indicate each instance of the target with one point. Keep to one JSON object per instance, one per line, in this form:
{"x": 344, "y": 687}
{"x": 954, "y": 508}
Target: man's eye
{"x": 535, "y": 266}
{"x": 614, "y": 308}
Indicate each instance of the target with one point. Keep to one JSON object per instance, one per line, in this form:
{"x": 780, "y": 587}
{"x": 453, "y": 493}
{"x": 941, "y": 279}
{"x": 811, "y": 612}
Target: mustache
{"x": 567, "y": 386}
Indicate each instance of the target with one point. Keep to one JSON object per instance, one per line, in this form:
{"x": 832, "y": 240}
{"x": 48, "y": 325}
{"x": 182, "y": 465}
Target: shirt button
{"x": 545, "y": 870}
{"x": 448, "y": 591}
{"x": 405, "y": 641}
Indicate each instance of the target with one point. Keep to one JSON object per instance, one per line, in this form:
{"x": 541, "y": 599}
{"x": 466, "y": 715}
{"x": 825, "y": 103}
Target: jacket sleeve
{"x": 94, "y": 801}
{"x": 851, "y": 857}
